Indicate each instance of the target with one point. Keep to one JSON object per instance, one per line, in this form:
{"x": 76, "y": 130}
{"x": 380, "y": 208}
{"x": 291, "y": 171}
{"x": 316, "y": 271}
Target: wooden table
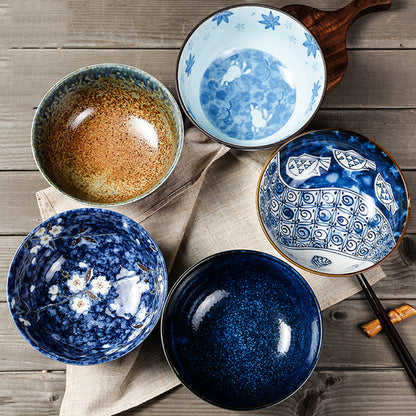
{"x": 43, "y": 40}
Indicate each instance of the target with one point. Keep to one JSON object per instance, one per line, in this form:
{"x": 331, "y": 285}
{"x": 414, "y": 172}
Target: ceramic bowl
{"x": 333, "y": 202}
{"x": 107, "y": 134}
{"x": 242, "y": 330}
{"x": 87, "y": 286}
{"x": 250, "y": 76}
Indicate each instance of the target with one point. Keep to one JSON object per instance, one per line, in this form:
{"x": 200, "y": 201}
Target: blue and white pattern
{"x": 222, "y": 17}
{"x": 320, "y": 261}
{"x": 87, "y": 286}
{"x": 251, "y": 76}
{"x": 270, "y": 21}
{"x": 246, "y": 94}
{"x": 189, "y": 64}
{"x": 342, "y": 220}
{"x": 352, "y": 160}
{"x": 385, "y": 195}
{"x": 311, "y": 45}
{"x": 305, "y": 166}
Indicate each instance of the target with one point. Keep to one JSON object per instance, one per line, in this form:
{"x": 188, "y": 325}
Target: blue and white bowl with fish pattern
{"x": 333, "y": 202}
{"x": 251, "y": 76}
{"x": 87, "y": 286}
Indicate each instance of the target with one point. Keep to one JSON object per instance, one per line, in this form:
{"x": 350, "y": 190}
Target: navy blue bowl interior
{"x": 242, "y": 330}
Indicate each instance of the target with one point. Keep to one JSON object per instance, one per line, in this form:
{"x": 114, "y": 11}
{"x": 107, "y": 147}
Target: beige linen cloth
{"x": 207, "y": 205}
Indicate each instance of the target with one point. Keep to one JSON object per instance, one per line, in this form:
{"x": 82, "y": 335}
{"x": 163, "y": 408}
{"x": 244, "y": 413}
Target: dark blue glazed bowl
{"x": 242, "y": 330}
{"x": 87, "y": 286}
{"x": 333, "y": 202}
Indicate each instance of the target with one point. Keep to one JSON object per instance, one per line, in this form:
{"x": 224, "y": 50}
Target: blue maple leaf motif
{"x": 189, "y": 64}
{"x": 270, "y": 21}
{"x": 315, "y": 89}
{"x": 222, "y": 17}
{"x": 311, "y": 45}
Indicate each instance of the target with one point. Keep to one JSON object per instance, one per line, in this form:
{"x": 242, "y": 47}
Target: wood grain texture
{"x": 18, "y": 205}
{"x": 344, "y": 345}
{"x": 399, "y": 283}
{"x": 15, "y": 353}
{"x": 31, "y": 394}
{"x": 43, "y": 40}
{"x": 394, "y": 130}
{"x": 139, "y": 24}
{"x": 18, "y": 189}
{"x": 326, "y": 393}
{"x": 330, "y": 30}
{"x": 26, "y": 75}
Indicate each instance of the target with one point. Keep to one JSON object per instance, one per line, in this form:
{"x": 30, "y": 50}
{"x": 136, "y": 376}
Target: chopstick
{"x": 396, "y": 341}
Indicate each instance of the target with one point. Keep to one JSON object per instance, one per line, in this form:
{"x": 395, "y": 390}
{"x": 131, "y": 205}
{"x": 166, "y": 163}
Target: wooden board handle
{"x": 330, "y": 30}
{"x": 357, "y": 8}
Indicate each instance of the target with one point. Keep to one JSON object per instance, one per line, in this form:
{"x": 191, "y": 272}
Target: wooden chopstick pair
{"x": 396, "y": 341}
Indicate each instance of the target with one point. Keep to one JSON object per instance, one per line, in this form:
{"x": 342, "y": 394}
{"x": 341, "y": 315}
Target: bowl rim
{"x": 315, "y": 271}
{"x": 207, "y": 259}
{"x": 224, "y": 142}
{"x": 140, "y": 72}
{"x": 135, "y": 344}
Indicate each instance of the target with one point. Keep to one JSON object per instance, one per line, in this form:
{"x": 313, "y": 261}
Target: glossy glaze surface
{"x": 107, "y": 134}
{"x": 250, "y": 76}
{"x": 333, "y": 202}
{"x": 242, "y": 330}
{"x": 87, "y": 286}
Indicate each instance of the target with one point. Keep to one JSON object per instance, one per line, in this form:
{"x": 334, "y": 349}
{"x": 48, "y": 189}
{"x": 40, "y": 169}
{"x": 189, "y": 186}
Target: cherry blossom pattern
{"x": 80, "y": 304}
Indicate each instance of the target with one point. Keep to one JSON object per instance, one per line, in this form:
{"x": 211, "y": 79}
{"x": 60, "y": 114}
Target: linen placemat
{"x": 207, "y": 205}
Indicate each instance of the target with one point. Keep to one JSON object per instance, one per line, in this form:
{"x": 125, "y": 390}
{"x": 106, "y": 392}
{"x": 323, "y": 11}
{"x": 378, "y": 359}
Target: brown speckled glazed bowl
{"x": 107, "y": 134}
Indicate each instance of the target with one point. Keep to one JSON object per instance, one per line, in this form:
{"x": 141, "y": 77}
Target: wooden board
{"x": 43, "y": 40}
{"x": 26, "y": 75}
{"x": 342, "y": 339}
{"x": 18, "y": 189}
{"x": 31, "y": 393}
{"x": 326, "y": 393}
{"x": 131, "y": 24}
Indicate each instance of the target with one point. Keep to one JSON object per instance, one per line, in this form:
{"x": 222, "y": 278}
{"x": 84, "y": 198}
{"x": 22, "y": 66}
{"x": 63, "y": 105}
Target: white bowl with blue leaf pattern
{"x": 87, "y": 286}
{"x": 333, "y": 202}
{"x": 251, "y": 76}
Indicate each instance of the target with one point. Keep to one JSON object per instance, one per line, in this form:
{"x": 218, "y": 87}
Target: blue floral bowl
{"x": 251, "y": 76}
{"x": 87, "y": 286}
{"x": 333, "y": 202}
{"x": 242, "y": 330}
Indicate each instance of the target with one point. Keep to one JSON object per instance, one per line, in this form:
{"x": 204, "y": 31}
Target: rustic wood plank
{"x": 399, "y": 283}
{"x": 30, "y": 394}
{"x": 341, "y": 323}
{"x": 391, "y": 129}
{"x": 345, "y": 345}
{"x": 18, "y": 192}
{"x": 133, "y": 24}
{"x": 326, "y": 393}
{"x": 18, "y": 202}
{"x": 383, "y": 76}
{"x": 15, "y": 353}
{"x": 26, "y": 75}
